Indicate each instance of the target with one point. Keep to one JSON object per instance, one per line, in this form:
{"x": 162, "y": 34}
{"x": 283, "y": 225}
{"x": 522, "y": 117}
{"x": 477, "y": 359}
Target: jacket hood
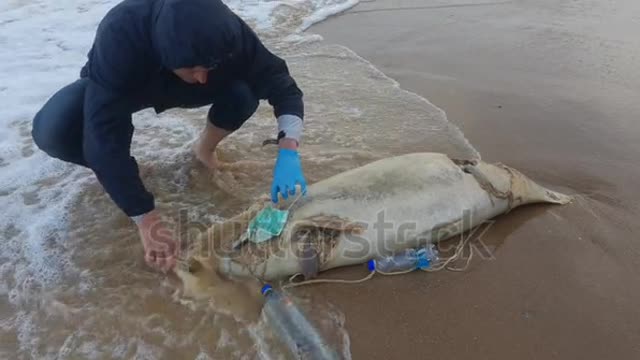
{"x": 188, "y": 33}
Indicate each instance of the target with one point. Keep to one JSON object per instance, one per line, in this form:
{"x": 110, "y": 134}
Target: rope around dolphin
{"x": 442, "y": 265}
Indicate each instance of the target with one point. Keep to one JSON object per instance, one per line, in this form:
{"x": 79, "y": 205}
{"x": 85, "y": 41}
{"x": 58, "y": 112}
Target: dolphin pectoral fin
{"x": 316, "y": 238}
{"x": 306, "y": 250}
{"x": 309, "y": 263}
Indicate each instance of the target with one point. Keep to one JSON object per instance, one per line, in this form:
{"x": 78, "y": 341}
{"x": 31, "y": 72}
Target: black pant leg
{"x": 57, "y": 127}
{"x": 233, "y": 105}
{"x": 233, "y": 101}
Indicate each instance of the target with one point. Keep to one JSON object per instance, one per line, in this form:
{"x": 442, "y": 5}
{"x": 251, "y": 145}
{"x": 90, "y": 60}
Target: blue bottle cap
{"x": 371, "y": 265}
{"x": 423, "y": 261}
{"x": 266, "y": 288}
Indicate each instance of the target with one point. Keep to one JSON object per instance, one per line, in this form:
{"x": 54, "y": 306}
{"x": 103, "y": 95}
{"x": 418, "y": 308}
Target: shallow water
{"x": 72, "y": 280}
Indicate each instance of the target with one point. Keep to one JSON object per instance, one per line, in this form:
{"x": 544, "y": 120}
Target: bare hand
{"x": 158, "y": 242}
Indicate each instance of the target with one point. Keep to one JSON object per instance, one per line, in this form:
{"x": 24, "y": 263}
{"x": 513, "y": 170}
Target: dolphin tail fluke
{"x": 530, "y": 192}
{"x": 504, "y": 182}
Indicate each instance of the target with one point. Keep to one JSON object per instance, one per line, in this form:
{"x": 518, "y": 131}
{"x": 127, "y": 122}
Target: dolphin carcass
{"x": 386, "y": 206}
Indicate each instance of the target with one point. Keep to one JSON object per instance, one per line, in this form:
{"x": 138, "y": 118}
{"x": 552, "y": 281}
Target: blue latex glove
{"x": 286, "y": 174}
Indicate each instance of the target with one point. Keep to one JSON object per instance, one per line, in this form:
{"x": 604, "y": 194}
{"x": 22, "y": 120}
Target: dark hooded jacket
{"x": 137, "y": 45}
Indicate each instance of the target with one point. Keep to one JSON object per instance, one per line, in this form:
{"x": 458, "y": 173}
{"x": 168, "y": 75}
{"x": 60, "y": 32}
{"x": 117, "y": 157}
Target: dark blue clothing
{"x": 137, "y": 45}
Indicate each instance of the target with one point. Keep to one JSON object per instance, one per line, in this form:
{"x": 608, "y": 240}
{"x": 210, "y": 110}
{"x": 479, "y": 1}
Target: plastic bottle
{"x": 293, "y": 328}
{"x": 409, "y": 259}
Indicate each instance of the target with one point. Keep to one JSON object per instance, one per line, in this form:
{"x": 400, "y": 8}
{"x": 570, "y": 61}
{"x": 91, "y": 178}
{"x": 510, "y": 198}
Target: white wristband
{"x": 138, "y": 218}
{"x": 291, "y": 126}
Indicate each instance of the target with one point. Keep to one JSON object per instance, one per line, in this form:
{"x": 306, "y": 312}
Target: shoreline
{"x": 549, "y": 91}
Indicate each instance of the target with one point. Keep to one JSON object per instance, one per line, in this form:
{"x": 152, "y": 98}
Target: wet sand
{"x": 550, "y": 88}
